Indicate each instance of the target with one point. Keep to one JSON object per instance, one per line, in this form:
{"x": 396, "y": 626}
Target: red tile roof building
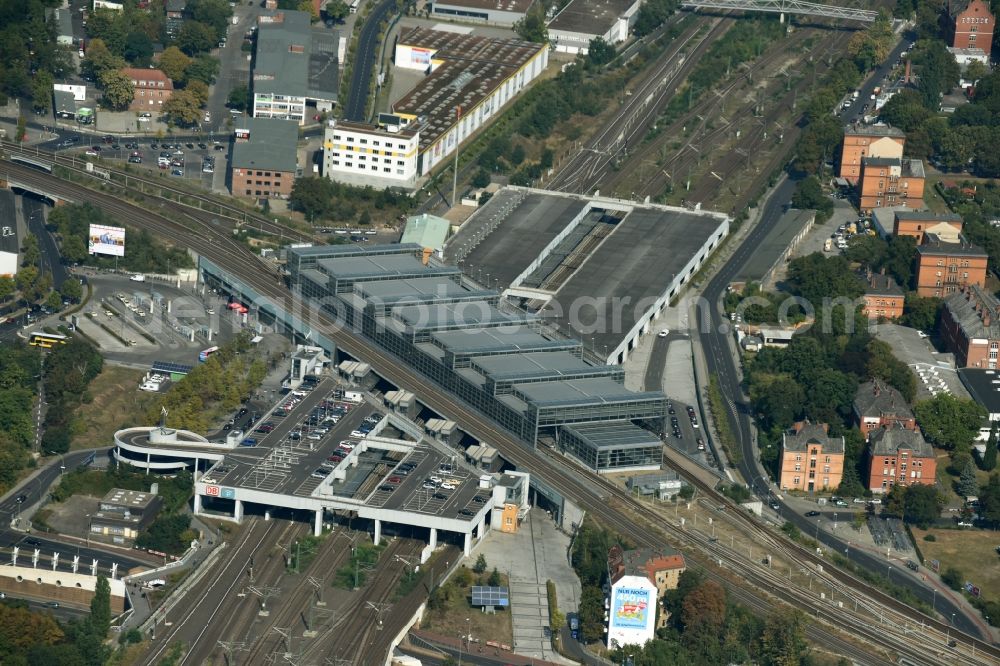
{"x": 152, "y": 88}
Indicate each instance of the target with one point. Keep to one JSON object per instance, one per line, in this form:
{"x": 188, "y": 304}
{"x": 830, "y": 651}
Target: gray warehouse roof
{"x": 273, "y": 145}
{"x": 447, "y": 315}
{"x": 361, "y": 266}
{"x": 531, "y": 363}
{"x": 482, "y": 339}
{"x": 591, "y": 17}
{"x": 291, "y": 59}
{"x": 417, "y": 288}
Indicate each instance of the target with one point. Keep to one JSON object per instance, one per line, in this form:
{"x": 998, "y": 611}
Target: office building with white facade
{"x": 383, "y": 155}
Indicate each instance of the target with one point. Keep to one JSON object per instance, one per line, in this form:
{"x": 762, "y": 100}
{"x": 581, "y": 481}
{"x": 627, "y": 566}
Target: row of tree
{"x": 36, "y": 638}
{"x": 143, "y": 254}
{"x": 68, "y": 372}
{"x": 323, "y": 199}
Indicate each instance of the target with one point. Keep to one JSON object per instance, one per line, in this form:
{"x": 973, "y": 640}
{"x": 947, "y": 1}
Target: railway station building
{"x": 503, "y": 361}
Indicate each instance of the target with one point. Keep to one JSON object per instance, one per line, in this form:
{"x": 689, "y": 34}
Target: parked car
{"x": 812, "y": 514}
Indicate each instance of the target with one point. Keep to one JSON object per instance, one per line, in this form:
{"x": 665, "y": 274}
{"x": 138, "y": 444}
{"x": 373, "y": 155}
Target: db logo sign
{"x": 212, "y": 491}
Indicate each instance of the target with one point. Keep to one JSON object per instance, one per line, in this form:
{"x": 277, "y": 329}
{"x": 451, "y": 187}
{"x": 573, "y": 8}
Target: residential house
{"x": 660, "y": 566}
{"x": 883, "y": 297}
{"x": 861, "y": 141}
{"x": 878, "y": 405}
{"x": 890, "y": 181}
{"x": 947, "y": 262}
{"x": 811, "y": 460}
{"x": 897, "y": 455}
{"x": 971, "y": 24}
{"x": 970, "y": 327}
{"x": 152, "y": 88}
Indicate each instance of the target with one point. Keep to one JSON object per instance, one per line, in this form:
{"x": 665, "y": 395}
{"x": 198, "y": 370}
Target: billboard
{"x": 632, "y": 616}
{"x": 106, "y": 240}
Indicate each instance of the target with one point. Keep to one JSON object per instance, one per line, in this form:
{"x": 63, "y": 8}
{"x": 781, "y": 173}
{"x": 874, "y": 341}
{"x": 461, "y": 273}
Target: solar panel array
{"x": 490, "y": 596}
{"x": 167, "y": 366}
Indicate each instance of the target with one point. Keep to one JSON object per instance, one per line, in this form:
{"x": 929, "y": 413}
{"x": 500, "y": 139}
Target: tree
{"x": 905, "y": 110}
{"x": 481, "y": 178}
{"x": 211, "y": 13}
{"x": 783, "y": 642}
{"x": 195, "y": 37}
{"x": 968, "y": 485}
{"x": 99, "y": 59}
{"x": 118, "y": 90}
{"x": 949, "y": 422}
{"x": 337, "y": 10}
{"x": 989, "y": 461}
{"x": 138, "y": 48}
{"x": 816, "y": 277}
{"x": 7, "y": 287}
{"x": 532, "y": 27}
{"x": 989, "y": 502}
{"x": 956, "y": 146}
{"x": 867, "y": 250}
{"x": 174, "y": 63}
{"x": 591, "y": 613}
{"x": 238, "y": 97}
{"x": 652, "y": 14}
{"x": 480, "y": 565}
{"x": 975, "y": 71}
{"x": 203, "y": 69}
{"x": 54, "y": 301}
{"x": 100, "y": 607}
{"x": 899, "y": 258}
{"x": 917, "y": 504}
{"x": 704, "y": 608}
{"x": 56, "y": 439}
{"x": 71, "y": 290}
{"x": 41, "y": 92}
{"x": 600, "y": 52}
{"x": 183, "y": 108}
{"x": 199, "y": 90}
{"x": 311, "y": 195}
{"x": 921, "y": 312}
{"x": 494, "y": 580}
{"x": 938, "y": 71}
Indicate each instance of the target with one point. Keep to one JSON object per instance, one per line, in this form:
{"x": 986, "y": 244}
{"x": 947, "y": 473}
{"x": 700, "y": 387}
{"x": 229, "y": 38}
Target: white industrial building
{"x": 580, "y": 21}
{"x": 383, "y": 155}
{"x": 492, "y": 12}
{"x": 632, "y": 613}
{"x": 469, "y": 80}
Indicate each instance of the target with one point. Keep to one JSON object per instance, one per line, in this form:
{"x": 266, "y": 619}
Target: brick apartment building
{"x": 899, "y": 456}
{"x": 971, "y": 24}
{"x": 970, "y": 327}
{"x": 890, "y": 181}
{"x": 811, "y": 460}
{"x": 152, "y": 88}
{"x": 947, "y": 263}
{"x": 918, "y": 222}
{"x": 661, "y": 566}
{"x": 883, "y": 297}
{"x": 264, "y": 158}
{"x": 862, "y": 141}
{"x": 878, "y": 405}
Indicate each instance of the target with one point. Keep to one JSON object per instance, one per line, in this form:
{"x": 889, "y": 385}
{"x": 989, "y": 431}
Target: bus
{"x": 354, "y": 6}
{"x": 47, "y": 340}
{"x": 203, "y": 355}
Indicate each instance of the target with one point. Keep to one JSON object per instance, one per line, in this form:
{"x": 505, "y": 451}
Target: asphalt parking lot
{"x": 186, "y": 156}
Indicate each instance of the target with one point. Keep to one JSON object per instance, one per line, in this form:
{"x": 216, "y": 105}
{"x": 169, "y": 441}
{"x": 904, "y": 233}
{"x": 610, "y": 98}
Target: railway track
{"x": 332, "y": 555}
{"x": 585, "y": 169}
{"x": 666, "y": 171}
{"x": 605, "y": 502}
{"x": 234, "y": 216}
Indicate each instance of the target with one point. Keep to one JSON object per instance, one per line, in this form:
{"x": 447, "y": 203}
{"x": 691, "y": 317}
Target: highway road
{"x": 364, "y": 62}
{"x": 604, "y": 501}
{"x": 50, "y": 261}
{"x": 33, "y": 492}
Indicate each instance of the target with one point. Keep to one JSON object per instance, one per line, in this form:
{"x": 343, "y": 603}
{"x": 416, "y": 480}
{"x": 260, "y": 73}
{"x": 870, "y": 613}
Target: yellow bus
{"x": 47, "y": 340}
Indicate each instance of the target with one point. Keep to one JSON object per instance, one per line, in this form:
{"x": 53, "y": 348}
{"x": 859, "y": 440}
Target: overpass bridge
{"x": 783, "y": 7}
{"x": 55, "y": 199}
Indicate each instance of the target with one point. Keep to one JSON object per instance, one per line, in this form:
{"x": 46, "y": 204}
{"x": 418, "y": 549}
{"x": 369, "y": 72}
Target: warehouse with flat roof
{"x": 491, "y": 12}
{"x": 500, "y": 360}
{"x": 581, "y": 21}
{"x": 598, "y": 269}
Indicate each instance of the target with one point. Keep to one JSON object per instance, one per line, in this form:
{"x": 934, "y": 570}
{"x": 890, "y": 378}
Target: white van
{"x": 138, "y": 277}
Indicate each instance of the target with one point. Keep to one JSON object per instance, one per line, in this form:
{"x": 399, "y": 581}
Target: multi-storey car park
{"x": 599, "y": 269}
{"x": 317, "y": 456}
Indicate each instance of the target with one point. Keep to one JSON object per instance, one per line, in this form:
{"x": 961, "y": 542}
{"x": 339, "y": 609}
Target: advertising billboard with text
{"x": 106, "y": 240}
{"x": 632, "y": 616}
